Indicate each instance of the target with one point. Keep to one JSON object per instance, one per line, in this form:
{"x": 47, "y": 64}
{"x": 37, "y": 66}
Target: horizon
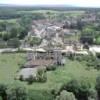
{"x": 75, "y": 3}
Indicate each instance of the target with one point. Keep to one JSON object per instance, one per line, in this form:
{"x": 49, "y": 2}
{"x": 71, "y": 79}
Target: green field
{"x": 9, "y": 64}
{"x": 9, "y": 20}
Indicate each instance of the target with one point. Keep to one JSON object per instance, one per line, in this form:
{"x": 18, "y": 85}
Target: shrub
{"x": 92, "y": 94}
{"x": 30, "y": 79}
{"x": 3, "y": 89}
{"x": 40, "y": 94}
{"x": 13, "y": 43}
{"x": 98, "y": 83}
{"x": 79, "y": 88}
{"x": 97, "y": 40}
{"x": 71, "y": 56}
{"x": 41, "y": 75}
{"x": 3, "y": 44}
{"x": 64, "y": 95}
{"x": 34, "y": 41}
{"x": 52, "y": 67}
{"x": 21, "y": 78}
{"x": 16, "y": 92}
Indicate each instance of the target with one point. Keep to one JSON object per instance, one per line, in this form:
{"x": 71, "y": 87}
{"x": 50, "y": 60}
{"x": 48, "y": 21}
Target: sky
{"x": 81, "y": 3}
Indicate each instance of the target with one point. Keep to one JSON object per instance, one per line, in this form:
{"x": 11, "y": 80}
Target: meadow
{"x": 10, "y": 63}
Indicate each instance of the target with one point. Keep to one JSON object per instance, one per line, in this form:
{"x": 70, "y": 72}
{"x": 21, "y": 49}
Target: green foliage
{"x": 0, "y": 98}
{"x": 16, "y": 92}
{"x": 52, "y": 67}
{"x": 71, "y": 56}
{"x": 98, "y": 83}
{"x": 13, "y": 32}
{"x": 3, "y": 89}
{"x": 64, "y": 95}
{"x": 91, "y": 60}
{"x": 41, "y": 75}
{"x": 92, "y": 94}
{"x": 87, "y": 35}
{"x": 22, "y": 32}
{"x": 31, "y": 79}
{"x": 79, "y": 87}
{"x": 2, "y": 26}
{"x": 14, "y": 43}
{"x": 97, "y": 41}
{"x": 34, "y": 41}
{"x": 3, "y": 44}
{"x": 5, "y": 35}
{"x": 42, "y": 91}
{"x": 88, "y": 32}
{"x": 40, "y": 95}
{"x": 98, "y": 86}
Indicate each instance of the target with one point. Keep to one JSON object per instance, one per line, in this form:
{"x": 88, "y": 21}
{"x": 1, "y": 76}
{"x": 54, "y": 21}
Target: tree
{"x": 16, "y": 92}
{"x": 79, "y": 87}
{"x": 87, "y": 36}
{"x": 5, "y": 36}
{"x": 13, "y": 43}
{"x": 22, "y": 32}
{"x": 92, "y": 95}
{"x": 80, "y": 24}
{"x": 13, "y": 32}
{"x": 34, "y": 41}
{"x": 3, "y": 91}
{"x": 64, "y": 95}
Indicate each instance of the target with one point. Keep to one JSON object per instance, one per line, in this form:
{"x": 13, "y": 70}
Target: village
{"x": 54, "y": 46}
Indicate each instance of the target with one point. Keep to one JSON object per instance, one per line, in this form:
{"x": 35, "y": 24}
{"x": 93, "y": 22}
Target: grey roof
{"x": 27, "y": 72}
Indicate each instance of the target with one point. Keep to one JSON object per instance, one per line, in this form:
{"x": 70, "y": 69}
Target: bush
{"x": 71, "y": 56}
{"x": 64, "y": 95}
{"x": 21, "y": 78}
{"x": 34, "y": 41}
{"x": 3, "y": 89}
{"x": 13, "y": 43}
{"x": 97, "y": 40}
{"x": 92, "y": 94}
{"x": 51, "y": 68}
{"x": 79, "y": 88}
{"x": 41, "y": 75}
{"x": 30, "y": 79}
{"x": 98, "y": 85}
{"x": 81, "y": 58}
{"x": 40, "y": 94}
{"x": 3, "y": 44}
{"x": 16, "y": 92}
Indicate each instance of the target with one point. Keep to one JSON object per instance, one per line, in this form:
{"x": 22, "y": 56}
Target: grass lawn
{"x": 9, "y": 20}
{"x": 9, "y": 64}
